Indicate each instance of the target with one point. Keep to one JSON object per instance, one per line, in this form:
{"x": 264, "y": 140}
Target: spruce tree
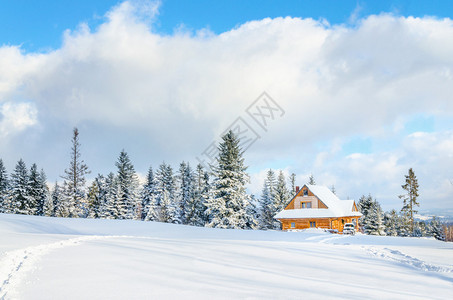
{"x": 201, "y": 197}
{"x": 281, "y": 195}
{"x": 267, "y": 202}
{"x": 333, "y": 190}
{"x": 21, "y": 202}
{"x": 75, "y": 180}
{"x": 410, "y": 198}
{"x": 437, "y": 230}
{"x": 195, "y": 191}
{"x": 375, "y": 224}
{"x": 149, "y": 201}
{"x": 292, "y": 181}
{"x": 166, "y": 194}
{"x": 4, "y": 188}
{"x": 44, "y": 197}
{"x": 230, "y": 202}
{"x": 56, "y": 198}
{"x": 97, "y": 197}
{"x": 186, "y": 193}
{"x": 391, "y": 221}
{"x": 34, "y": 191}
{"x": 109, "y": 208}
{"x": 311, "y": 180}
{"x": 127, "y": 201}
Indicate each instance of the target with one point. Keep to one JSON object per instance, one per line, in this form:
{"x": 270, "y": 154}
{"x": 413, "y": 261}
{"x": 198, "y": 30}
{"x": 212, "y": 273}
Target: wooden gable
{"x": 304, "y": 195}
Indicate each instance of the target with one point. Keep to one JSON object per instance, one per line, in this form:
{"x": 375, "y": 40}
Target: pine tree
{"x": 281, "y": 195}
{"x": 372, "y": 217}
{"x": 4, "y": 188}
{"x": 127, "y": 197}
{"x": 229, "y": 205}
{"x": 110, "y": 208}
{"x": 391, "y": 221}
{"x": 34, "y": 191}
{"x": 186, "y": 195}
{"x": 97, "y": 197}
{"x": 410, "y": 198}
{"x": 166, "y": 194}
{"x": 333, "y": 190}
{"x": 311, "y": 180}
{"x": 149, "y": 201}
{"x": 292, "y": 180}
{"x": 437, "y": 230}
{"x": 267, "y": 203}
{"x": 375, "y": 224}
{"x": 55, "y": 207}
{"x": 21, "y": 202}
{"x": 44, "y": 193}
{"x": 75, "y": 180}
{"x": 195, "y": 196}
{"x": 201, "y": 197}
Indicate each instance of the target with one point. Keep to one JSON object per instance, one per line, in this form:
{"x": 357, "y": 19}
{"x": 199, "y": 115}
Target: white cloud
{"x": 16, "y": 117}
{"x": 169, "y": 96}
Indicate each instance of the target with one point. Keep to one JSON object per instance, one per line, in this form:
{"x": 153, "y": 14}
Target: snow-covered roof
{"x": 335, "y": 207}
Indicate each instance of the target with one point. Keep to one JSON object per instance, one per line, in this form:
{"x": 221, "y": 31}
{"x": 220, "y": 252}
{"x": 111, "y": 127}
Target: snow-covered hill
{"x": 42, "y": 258}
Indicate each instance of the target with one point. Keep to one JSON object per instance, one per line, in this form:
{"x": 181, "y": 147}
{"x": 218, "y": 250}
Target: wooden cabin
{"x": 316, "y": 206}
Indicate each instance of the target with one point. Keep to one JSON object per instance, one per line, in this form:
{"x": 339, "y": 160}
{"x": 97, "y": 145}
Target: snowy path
{"x": 14, "y": 265}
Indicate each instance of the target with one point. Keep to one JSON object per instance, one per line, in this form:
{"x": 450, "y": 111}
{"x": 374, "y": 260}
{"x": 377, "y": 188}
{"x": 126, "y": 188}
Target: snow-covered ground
{"x": 51, "y": 258}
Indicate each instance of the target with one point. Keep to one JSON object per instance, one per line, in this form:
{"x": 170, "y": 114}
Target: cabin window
{"x": 305, "y": 192}
{"x": 312, "y": 224}
{"x": 293, "y": 225}
{"x": 305, "y": 205}
{"x": 354, "y": 221}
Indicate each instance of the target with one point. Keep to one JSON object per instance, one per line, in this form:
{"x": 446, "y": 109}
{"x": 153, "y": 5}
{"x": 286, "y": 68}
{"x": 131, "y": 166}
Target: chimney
{"x": 297, "y": 189}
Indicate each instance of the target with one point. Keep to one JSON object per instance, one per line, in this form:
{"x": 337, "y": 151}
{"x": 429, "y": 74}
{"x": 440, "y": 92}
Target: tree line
{"x": 402, "y": 223}
{"x": 193, "y": 196}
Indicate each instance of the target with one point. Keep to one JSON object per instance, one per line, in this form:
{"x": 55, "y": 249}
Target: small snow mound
{"x": 404, "y": 259}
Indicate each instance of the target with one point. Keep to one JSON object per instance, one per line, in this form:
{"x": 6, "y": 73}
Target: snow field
{"x": 128, "y": 259}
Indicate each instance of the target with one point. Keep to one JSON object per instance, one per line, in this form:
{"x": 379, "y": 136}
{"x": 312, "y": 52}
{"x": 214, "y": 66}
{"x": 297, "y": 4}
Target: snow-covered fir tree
{"x": 436, "y": 229}
{"x": 333, "y": 190}
{"x": 109, "y": 208}
{"x": 228, "y": 206}
{"x": 372, "y": 216}
{"x": 149, "y": 199}
{"x": 166, "y": 194}
{"x": 74, "y": 177}
{"x": 186, "y": 192}
{"x": 268, "y": 201}
{"x": 197, "y": 216}
{"x": 197, "y": 189}
{"x": 311, "y": 180}
{"x": 54, "y": 207}
{"x": 127, "y": 201}
{"x": 282, "y": 195}
{"x": 20, "y": 201}
{"x": 292, "y": 184}
{"x": 391, "y": 223}
{"x": 97, "y": 197}
{"x": 45, "y": 192}
{"x": 37, "y": 190}
{"x": 375, "y": 216}
{"x": 4, "y": 188}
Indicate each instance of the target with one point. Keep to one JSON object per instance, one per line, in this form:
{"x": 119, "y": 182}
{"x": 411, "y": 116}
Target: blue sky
{"x": 38, "y": 25}
{"x": 365, "y": 85}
